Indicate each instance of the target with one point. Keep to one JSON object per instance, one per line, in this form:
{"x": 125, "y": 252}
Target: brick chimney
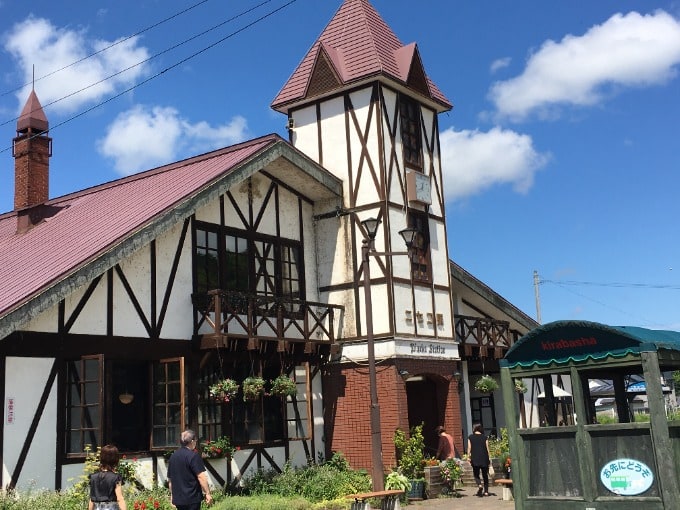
{"x": 31, "y": 149}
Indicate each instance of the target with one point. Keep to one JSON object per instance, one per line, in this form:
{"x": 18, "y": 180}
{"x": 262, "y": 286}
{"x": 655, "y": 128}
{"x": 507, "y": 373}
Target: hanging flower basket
{"x": 283, "y": 386}
{"x": 218, "y": 448}
{"x": 486, "y": 384}
{"x": 224, "y": 390}
{"x": 253, "y": 388}
{"x": 520, "y": 387}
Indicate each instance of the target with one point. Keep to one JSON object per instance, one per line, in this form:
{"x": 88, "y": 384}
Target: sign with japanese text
{"x": 626, "y": 477}
{"x": 10, "y": 410}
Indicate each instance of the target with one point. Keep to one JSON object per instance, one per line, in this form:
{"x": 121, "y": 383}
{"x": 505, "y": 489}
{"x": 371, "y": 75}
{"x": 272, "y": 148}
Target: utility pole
{"x": 538, "y": 297}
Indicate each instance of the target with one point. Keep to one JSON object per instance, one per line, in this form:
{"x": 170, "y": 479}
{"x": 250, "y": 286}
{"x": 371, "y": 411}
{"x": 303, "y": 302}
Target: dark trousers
{"x": 485, "y": 475}
{"x": 192, "y": 506}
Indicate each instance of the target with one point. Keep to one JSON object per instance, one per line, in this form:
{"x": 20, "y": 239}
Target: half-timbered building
{"x": 361, "y": 104}
{"x": 121, "y": 304}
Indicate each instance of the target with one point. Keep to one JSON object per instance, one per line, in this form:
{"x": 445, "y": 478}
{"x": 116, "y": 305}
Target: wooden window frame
{"x": 171, "y": 438}
{"x": 411, "y": 133}
{"x": 84, "y": 405}
{"x": 421, "y": 260}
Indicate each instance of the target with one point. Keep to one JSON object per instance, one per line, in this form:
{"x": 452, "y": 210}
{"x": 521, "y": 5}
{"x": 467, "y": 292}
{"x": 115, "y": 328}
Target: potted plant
{"x": 506, "y": 463}
{"x": 411, "y": 460}
{"x": 451, "y": 471}
{"x": 217, "y": 448}
{"x": 395, "y": 481}
{"x": 253, "y": 388}
{"x": 486, "y": 384}
{"x": 223, "y": 390}
{"x": 283, "y": 386}
{"x": 520, "y": 387}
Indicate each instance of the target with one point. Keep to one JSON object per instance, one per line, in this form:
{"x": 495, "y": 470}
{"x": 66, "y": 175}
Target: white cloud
{"x": 499, "y": 64}
{"x": 631, "y": 50}
{"x": 35, "y": 41}
{"x": 142, "y": 138}
{"x": 473, "y": 161}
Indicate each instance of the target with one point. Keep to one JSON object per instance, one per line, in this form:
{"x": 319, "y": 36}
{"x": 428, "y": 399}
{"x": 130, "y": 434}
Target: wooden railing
{"x": 482, "y": 336}
{"x": 227, "y": 315}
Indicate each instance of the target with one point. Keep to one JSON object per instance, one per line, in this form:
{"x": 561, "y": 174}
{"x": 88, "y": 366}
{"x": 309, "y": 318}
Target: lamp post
{"x": 368, "y": 249}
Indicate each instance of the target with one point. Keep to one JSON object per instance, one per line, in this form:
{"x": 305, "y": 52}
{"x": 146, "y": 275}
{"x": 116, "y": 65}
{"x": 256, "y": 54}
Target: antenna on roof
{"x": 33, "y": 80}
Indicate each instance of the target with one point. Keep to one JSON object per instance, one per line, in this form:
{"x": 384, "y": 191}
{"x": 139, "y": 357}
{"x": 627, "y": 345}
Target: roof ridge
{"x": 145, "y": 174}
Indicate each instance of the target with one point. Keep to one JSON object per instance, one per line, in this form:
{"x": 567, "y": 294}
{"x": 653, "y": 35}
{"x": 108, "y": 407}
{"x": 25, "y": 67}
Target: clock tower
{"x": 361, "y": 104}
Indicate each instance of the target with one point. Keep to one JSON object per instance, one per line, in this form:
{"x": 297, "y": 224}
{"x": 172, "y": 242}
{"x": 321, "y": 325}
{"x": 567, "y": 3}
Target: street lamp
{"x": 367, "y": 249}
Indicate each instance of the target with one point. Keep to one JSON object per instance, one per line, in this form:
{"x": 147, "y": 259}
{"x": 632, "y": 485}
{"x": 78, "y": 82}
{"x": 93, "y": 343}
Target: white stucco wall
{"x": 25, "y": 381}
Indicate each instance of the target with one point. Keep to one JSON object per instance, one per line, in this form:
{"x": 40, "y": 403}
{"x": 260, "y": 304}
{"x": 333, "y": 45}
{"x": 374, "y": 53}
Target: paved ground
{"x": 467, "y": 500}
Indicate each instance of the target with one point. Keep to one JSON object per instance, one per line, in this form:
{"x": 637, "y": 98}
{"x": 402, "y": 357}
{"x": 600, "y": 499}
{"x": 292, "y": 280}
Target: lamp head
{"x": 371, "y": 227}
{"x": 409, "y": 235}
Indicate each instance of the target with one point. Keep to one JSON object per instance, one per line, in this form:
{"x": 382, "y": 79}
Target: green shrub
{"x": 331, "y": 480}
{"x": 604, "y": 419}
{"x": 499, "y": 446}
{"x": 411, "y": 459}
{"x": 396, "y": 481}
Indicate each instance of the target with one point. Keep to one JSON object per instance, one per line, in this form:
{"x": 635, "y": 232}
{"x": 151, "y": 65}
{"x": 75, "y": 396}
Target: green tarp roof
{"x": 569, "y": 341}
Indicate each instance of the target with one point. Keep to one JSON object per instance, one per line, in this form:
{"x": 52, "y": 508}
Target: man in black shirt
{"x": 187, "y": 476}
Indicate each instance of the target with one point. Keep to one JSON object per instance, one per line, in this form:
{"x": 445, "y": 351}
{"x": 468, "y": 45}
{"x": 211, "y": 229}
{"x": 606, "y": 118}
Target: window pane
{"x": 167, "y": 405}
{"x": 83, "y": 406}
{"x": 92, "y": 393}
{"x": 92, "y": 416}
{"x": 174, "y": 393}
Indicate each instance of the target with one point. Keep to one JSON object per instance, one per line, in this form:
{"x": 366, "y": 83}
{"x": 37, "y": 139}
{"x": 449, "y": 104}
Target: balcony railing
{"x": 225, "y": 316}
{"x": 482, "y": 336}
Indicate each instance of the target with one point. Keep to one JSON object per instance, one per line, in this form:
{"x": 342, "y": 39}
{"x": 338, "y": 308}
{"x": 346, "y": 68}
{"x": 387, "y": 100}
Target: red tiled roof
{"x": 359, "y": 44}
{"x": 93, "y": 221}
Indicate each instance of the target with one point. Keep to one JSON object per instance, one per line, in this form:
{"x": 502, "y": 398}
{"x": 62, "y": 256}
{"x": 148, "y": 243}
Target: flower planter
{"x": 417, "y": 490}
{"x": 283, "y": 386}
{"x": 253, "y": 388}
{"x": 433, "y": 481}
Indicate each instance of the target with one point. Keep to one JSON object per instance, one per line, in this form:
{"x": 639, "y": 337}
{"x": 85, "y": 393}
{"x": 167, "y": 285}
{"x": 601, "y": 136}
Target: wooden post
{"x": 584, "y": 448}
{"x": 520, "y": 477}
{"x": 663, "y": 447}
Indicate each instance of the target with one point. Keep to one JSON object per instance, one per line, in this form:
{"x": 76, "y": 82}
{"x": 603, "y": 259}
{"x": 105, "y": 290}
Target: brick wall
{"x": 347, "y": 400}
{"x": 31, "y": 170}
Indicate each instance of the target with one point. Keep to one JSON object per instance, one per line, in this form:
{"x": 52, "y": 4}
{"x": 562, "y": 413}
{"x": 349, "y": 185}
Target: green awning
{"x": 572, "y": 341}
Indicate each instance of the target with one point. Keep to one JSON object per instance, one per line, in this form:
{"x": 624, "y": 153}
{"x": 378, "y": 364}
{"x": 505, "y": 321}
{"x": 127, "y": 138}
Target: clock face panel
{"x": 421, "y": 191}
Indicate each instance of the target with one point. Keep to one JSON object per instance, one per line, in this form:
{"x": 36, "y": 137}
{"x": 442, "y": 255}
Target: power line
{"x": 601, "y": 303}
{"x": 152, "y": 57}
{"x": 103, "y": 49}
{"x": 611, "y": 284}
{"x": 177, "y": 64}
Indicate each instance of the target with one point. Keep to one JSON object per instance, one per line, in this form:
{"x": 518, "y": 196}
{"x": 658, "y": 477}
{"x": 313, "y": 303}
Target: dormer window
{"x": 411, "y": 141}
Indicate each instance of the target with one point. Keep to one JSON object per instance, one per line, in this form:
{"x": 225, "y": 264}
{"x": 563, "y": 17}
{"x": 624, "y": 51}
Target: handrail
{"x": 244, "y": 315}
{"x": 484, "y": 333}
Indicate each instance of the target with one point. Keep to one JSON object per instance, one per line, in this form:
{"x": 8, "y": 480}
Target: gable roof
{"x": 87, "y": 232}
{"x": 481, "y": 295}
{"x": 355, "y": 45}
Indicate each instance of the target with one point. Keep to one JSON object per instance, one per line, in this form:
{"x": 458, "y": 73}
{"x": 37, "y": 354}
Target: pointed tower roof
{"x": 32, "y": 116}
{"x": 355, "y": 45}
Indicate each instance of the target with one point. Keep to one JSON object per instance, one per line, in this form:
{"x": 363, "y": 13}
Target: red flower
{"x": 156, "y": 504}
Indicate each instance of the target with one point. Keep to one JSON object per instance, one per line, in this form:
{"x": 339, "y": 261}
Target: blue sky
{"x": 560, "y": 155}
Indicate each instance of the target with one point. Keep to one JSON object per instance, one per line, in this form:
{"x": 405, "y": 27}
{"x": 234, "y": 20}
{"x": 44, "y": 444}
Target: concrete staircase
{"x": 469, "y": 480}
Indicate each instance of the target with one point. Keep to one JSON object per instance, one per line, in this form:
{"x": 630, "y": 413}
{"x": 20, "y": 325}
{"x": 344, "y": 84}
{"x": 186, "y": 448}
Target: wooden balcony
{"x": 482, "y": 338}
{"x": 234, "y": 320}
